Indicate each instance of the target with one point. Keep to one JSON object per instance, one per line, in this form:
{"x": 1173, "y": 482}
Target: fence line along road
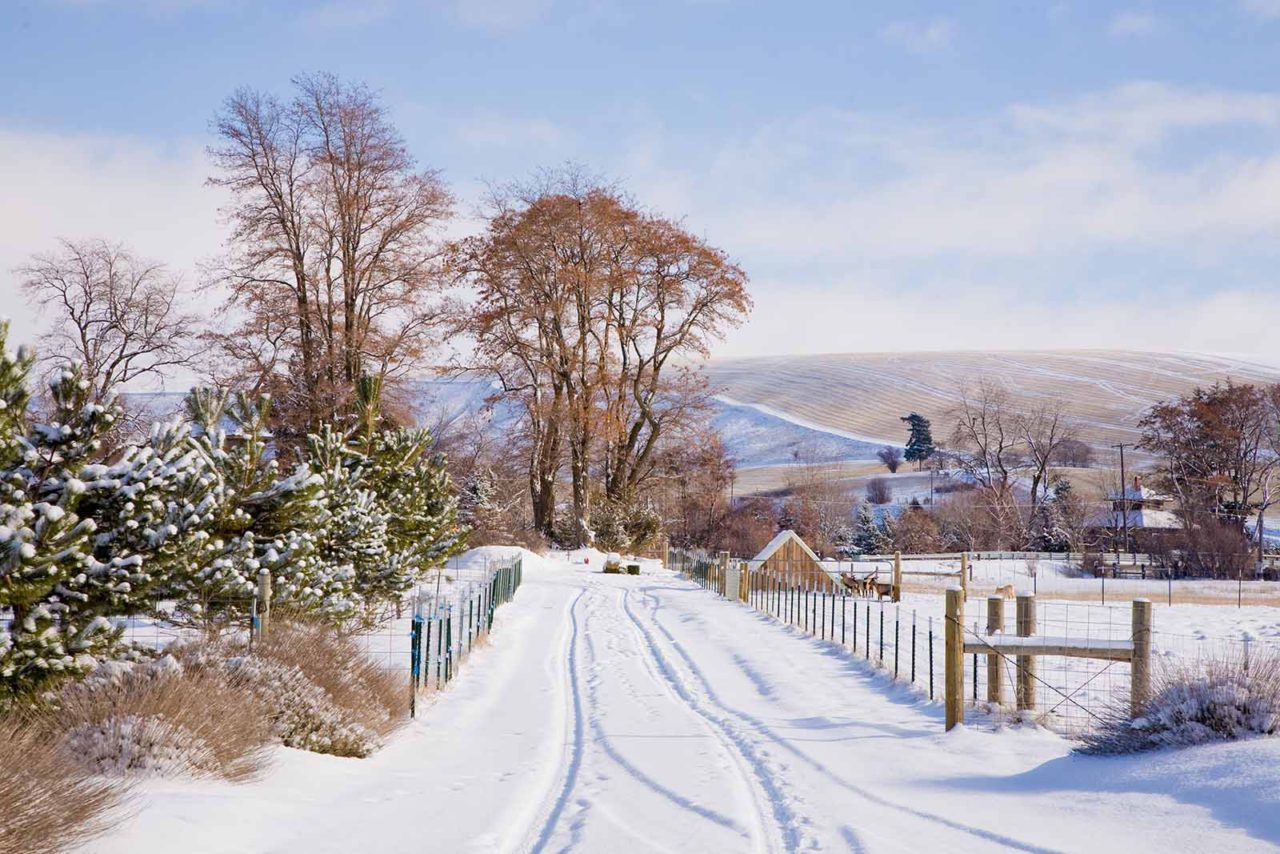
{"x": 1070, "y": 664}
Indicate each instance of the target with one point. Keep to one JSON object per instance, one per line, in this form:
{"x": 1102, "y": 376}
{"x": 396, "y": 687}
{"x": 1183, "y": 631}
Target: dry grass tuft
{"x": 48, "y": 801}
{"x": 164, "y": 719}
{"x": 321, "y": 692}
{"x": 1222, "y": 699}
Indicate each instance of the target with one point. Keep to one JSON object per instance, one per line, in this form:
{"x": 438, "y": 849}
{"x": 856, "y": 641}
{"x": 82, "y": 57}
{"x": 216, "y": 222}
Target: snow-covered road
{"x": 615, "y": 713}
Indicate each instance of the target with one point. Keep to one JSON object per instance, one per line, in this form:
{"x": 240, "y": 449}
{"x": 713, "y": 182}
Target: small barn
{"x": 790, "y": 560}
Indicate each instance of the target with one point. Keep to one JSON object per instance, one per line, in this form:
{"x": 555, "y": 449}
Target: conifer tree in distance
{"x": 920, "y": 445}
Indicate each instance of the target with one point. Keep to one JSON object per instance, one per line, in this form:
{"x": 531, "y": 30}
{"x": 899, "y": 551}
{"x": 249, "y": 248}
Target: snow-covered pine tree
{"x": 919, "y": 439}
{"x": 412, "y": 486}
{"x": 154, "y": 502}
{"x": 844, "y": 540}
{"x": 1048, "y": 533}
{"x": 258, "y": 518}
{"x": 869, "y": 535}
{"x": 58, "y": 592}
{"x": 477, "y": 499}
{"x": 411, "y": 489}
{"x": 353, "y": 545}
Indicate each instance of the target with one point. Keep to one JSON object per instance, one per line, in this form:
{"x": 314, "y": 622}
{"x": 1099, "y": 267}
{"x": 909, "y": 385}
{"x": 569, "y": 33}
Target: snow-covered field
{"x": 863, "y": 394}
{"x": 615, "y": 713}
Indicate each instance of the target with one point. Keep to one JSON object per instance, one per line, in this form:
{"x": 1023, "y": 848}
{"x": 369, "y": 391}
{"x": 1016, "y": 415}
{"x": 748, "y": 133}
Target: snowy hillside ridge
{"x": 864, "y": 394}
{"x": 617, "y": 713}
{"x": 755, "y": 436}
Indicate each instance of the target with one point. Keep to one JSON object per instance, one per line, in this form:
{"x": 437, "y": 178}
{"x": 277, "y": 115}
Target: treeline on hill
{"x": 1216, "y": 450}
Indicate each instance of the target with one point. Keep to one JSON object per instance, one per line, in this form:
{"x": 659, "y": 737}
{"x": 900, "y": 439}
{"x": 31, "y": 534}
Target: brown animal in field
{"x": 864, "y": 586}
{"x": 1007, "y": 592}
{"x": 883, "y": 589}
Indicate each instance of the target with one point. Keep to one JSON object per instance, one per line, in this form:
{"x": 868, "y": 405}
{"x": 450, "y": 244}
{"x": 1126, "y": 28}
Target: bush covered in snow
{"x": 1220, "y": 700}
{"x": 162, "y": 719}
{"x": 320, "y": 692}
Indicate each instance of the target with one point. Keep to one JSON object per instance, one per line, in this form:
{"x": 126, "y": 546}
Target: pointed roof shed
{"x": 789, "y": 558}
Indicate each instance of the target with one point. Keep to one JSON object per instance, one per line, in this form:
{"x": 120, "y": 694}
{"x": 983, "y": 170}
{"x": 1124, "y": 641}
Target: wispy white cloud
{"x": 500, "y": 14}
{"x": 120, "y": 188}
{"x": 871, "y": 314}
{"x": 919, "y": 37}
{"x": 1032, "y": 181}
{"x": 950, "y": 224}
{"x": 1261, "y": 8}
{"x": 1133, "y": 23}
{"x": 494, "y": 130}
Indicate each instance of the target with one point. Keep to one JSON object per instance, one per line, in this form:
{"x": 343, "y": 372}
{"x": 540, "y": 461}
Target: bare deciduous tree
{"x": 891, "y": 457}
{"x": 586, "y": 304}
{"x": 1044, "y": 431}
{"x": 1218, "y": 449}
{"x": 334, "y": 264}
{"x": 996, "y": 444}
{"x": 879, "y": 491}
{"x": 113, "y": 312}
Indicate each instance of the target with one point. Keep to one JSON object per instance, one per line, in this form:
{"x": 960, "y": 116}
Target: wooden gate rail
{"x": 1026, "y": 646}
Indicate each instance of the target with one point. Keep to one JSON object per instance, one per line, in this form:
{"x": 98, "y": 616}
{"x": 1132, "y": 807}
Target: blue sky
{"x": 894, "y": 176}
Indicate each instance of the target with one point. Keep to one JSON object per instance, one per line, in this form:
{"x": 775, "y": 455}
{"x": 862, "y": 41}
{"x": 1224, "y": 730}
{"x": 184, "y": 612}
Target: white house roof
{"x": 1144, "y": 518}
{"x": 1137, "y": 491}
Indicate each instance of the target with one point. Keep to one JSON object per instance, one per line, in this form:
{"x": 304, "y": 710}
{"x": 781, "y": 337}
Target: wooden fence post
{"x": 722, "y": 574}
{"x": 1026, "y": 688}
{"x": 964, "y": 575}
{"x": 897, "y": 576}
{"x": 264, "y": 601}
{"x": 744, "y": 581}
{"x": 953, "y": 673}
{"x": 995, "y": 625}
{"x": 1140, "y": 666}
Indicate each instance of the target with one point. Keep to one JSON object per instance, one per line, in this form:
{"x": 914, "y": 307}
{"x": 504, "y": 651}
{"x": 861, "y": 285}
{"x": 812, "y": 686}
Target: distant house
{"x": 1144, "y": 511}
{"x": 790, "y": 560}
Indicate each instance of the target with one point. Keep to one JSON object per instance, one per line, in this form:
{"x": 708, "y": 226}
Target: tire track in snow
{"x": 763, "y": 730}
{"x": 785, "y": 822}
{"x": 599, "y": 737}
{"x": 574, "y": 764}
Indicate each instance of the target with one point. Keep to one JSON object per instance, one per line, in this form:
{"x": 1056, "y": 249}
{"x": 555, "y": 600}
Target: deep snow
{"x": 615, "y": 713}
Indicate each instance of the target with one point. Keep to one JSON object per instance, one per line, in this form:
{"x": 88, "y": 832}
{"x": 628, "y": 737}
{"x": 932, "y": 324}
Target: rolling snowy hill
{"x": 864, "y": 394}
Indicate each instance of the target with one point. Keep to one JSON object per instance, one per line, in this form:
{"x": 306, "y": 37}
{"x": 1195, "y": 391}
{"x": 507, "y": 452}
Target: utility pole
{"x": 1124, "y": 498}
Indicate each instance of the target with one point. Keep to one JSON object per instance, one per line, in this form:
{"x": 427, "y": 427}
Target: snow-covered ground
{"x": 614, "y": 713}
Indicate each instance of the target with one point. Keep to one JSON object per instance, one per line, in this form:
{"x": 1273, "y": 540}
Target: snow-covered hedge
{"x": 1218, "y": 700}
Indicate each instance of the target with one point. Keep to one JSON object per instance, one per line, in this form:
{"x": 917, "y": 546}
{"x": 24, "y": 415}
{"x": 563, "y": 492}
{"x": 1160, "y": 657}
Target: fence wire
{"x": 905, "y": 639}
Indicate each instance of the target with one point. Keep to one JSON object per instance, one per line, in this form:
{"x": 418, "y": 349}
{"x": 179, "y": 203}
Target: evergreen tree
{"x": 844, "y": 541}
{"x": 58, "y": 591}
{"x": 869, "y": 535}
{"x": 409, "y": 487}
{"x": 257, "y": 518}
{"x": 919, "y": 439}
{"x": 1048, "y": 533}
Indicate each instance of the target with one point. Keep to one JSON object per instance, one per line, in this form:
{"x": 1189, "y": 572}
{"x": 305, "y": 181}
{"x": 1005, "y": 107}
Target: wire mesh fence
{"x": 426, "y": 637}
{"x": 905, "y": 639}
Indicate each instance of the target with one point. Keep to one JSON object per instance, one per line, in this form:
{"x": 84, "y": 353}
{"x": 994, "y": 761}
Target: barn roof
{"x": 778, "y": 541}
